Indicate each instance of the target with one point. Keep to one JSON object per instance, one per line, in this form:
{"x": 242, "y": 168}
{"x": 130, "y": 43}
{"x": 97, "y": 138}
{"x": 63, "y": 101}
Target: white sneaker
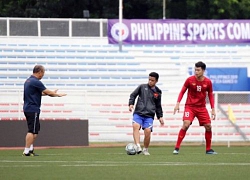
{"x": 145, "y": 152}
{"x": 176, "y": 151}
{"x": 138, "y": 150}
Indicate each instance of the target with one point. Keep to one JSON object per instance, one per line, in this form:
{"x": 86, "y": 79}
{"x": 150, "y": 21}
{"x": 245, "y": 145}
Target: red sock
{"x": 208, "y": 137}
{"x": 181, "y": 136}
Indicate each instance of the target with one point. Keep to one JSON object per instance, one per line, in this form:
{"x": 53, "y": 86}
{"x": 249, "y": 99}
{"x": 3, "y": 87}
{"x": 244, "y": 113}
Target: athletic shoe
{"x": 32, "y": 153}
{"x": 27, "y": 154}
{"x": 145, "y": 152}
{"x": 210, "y": 151}
{"x": 138, "y": 150}
{"x": 176, "y": 151}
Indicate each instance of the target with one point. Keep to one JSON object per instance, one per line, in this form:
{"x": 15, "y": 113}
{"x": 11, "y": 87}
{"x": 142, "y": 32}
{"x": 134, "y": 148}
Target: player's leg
{"x": 33, "y": 128}
{"x": 204, "y": 120}
{"x": 147, "y": 126}
{"x": 32, "y": 146}
{"x": 29, "y": 139}
{"x": 147, "y": 137}
{"x": 188, "y": 117}
{"x": 136, "y": 123}
{"x": 35, "y": 134}
{"x": 208, "y": 136}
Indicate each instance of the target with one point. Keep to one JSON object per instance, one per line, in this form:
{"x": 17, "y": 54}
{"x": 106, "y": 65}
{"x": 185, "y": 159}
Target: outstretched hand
{"x": 59, "y": 94}
{"x": 63, "y": 94}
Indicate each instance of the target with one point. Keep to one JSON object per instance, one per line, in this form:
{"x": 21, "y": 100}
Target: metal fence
{"x": 45, "y": 27}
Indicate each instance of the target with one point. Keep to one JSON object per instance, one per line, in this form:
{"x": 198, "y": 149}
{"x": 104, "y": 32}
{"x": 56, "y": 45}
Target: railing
{"x": 45, "y": 27}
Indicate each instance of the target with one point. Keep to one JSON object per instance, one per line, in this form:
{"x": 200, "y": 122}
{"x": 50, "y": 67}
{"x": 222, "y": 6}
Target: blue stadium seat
{"x": 106, "y": 62}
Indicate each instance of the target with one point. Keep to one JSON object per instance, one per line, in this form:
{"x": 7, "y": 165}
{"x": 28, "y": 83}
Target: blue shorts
{"x": 145, "y": 122}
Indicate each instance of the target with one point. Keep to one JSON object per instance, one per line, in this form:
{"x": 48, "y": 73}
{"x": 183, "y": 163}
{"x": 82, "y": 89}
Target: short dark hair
{"x": 155, "y": 75}
{"x": 201, "y": 64}
{"x": 38, "y": 68}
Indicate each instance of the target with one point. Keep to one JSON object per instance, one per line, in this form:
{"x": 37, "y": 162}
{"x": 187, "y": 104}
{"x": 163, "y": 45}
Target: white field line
{"x": 62, "y": 154}
{"x": 162, "y": 164}
{"x": 170, "y": 152}
{"x": 223, "y": 153}
{"x": 7, "y": 163}
{"x": 82, "y": 153}
{"x": 18, "y": 166}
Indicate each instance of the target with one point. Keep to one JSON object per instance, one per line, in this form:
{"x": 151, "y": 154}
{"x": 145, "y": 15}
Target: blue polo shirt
{"x": 32, "y": 94}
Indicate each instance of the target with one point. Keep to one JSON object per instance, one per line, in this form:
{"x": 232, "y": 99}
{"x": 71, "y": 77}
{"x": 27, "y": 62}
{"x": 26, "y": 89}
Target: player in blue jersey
{"x": 34, "y": 89}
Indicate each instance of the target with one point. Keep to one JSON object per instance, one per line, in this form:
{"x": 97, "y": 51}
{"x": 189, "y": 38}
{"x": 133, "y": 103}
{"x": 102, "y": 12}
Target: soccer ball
{"x": 130, "y": 149}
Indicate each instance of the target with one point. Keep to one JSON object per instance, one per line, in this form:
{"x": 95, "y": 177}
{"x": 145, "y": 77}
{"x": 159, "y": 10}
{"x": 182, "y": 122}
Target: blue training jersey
{"x": 32, "y": 94}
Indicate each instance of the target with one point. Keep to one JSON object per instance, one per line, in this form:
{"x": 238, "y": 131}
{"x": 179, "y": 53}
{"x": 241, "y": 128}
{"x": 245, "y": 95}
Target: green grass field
{"x": 113, "y": 163}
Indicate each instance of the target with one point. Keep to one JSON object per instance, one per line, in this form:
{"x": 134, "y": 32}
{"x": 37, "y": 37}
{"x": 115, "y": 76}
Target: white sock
{"x": 26, "y": 150}
{"x": 31, "y": 147}
{"x": 145, "y": 149}
{"x": 138, "y": 145}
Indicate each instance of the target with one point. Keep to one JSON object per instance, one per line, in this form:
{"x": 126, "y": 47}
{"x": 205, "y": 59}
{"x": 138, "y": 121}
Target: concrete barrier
{"x": 52, "y": 133}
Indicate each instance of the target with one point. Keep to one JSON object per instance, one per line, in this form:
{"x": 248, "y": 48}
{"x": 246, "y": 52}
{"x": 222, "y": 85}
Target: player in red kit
{"x": 198, "y": 87}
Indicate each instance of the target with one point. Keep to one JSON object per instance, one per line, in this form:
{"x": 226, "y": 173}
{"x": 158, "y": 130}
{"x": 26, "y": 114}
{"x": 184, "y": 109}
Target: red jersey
{"x": 197, "y": 92}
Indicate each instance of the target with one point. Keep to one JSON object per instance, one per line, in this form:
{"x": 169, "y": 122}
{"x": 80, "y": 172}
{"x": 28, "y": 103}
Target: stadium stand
{"x": 100, "y": 79}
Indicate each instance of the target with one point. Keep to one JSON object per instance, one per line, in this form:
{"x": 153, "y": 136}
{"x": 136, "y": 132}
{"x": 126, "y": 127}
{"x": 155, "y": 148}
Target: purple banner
{"x": 169, "y": 31}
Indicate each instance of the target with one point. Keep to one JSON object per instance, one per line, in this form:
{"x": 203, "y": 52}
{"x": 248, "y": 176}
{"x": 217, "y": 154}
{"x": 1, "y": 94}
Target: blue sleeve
{"x": 40, "y": 86}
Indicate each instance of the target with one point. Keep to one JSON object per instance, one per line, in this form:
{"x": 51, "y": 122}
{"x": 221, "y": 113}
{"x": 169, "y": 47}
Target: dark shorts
{"x": 33, "y": 123}
{"x": 200, "y": 113}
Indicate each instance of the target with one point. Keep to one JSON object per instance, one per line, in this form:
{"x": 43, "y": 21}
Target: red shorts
{"x": 200, "y": 112}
